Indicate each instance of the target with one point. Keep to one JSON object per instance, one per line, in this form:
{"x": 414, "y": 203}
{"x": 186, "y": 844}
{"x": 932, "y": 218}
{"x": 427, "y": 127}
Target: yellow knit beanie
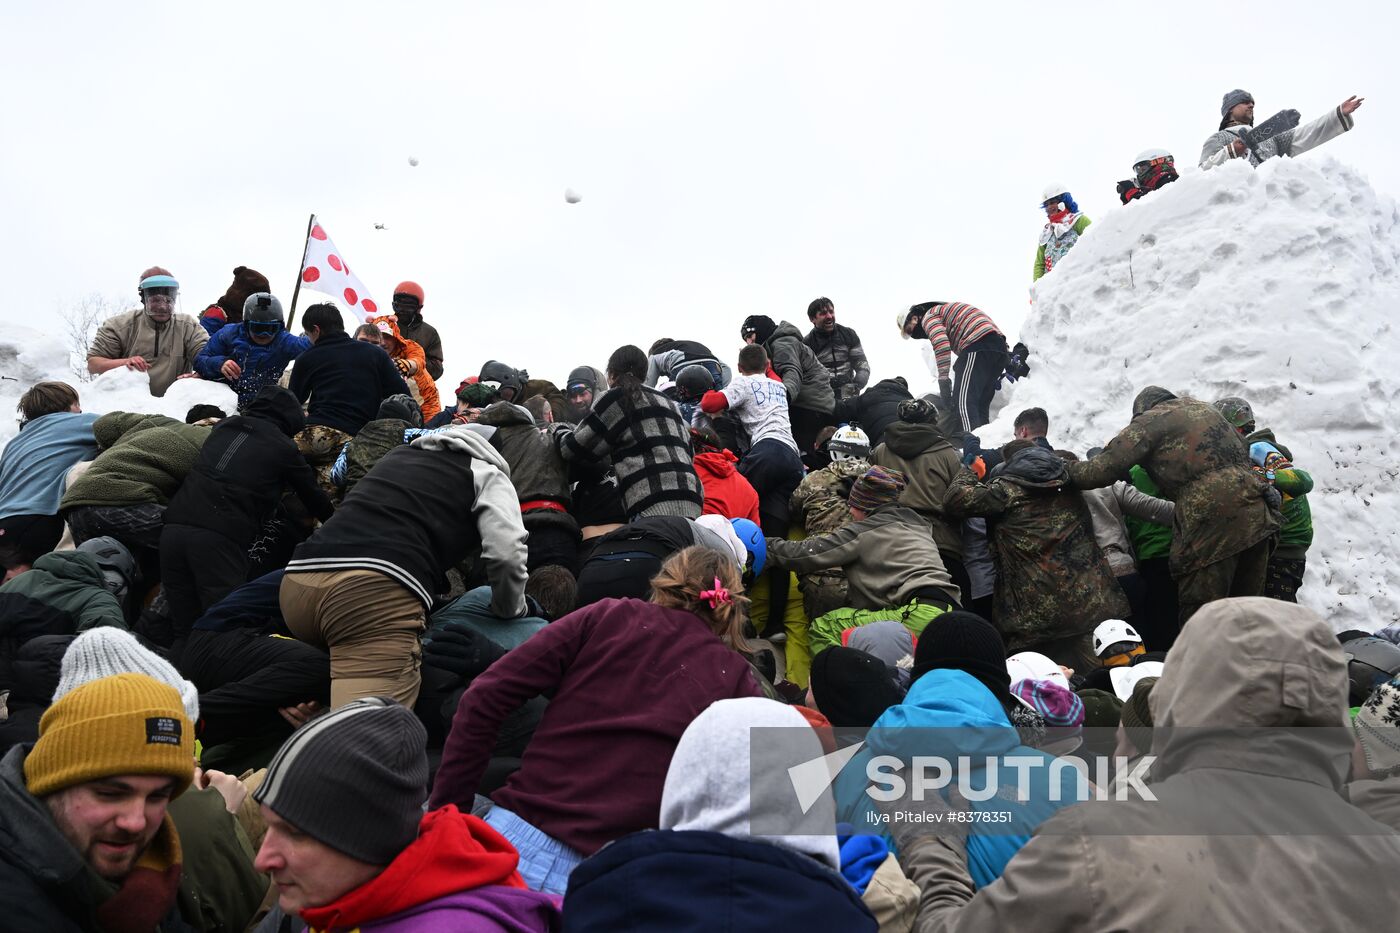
{"x": 123, "y": 724}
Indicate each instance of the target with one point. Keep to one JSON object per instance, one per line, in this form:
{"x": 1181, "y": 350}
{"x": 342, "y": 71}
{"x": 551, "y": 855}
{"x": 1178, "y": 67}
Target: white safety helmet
{"x": 849, "y": 443}
{"x": 1147, "y": 155}
{"x": 1055, "y": 190}
{"x": 1113, "y": 631}
{"x": 1124, "y": 679}
{"x": 1032, "y": 665}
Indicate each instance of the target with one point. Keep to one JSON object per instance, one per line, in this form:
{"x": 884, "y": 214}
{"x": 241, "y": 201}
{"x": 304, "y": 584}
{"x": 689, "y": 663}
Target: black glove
{"x": 460, "y": 649}
{"x": 945, "y": 391}
{"x": 972, "y": 449}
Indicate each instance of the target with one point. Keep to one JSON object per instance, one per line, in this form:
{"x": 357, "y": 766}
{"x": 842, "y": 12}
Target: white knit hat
{"x": 1377, "y": 727}
{"x": 106, "y": 650}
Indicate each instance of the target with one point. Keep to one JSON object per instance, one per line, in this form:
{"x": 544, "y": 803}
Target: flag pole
{"x": 296, "y": 290}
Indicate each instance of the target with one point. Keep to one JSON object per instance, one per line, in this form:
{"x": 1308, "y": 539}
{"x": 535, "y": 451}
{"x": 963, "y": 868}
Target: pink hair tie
{"x": 716, "y": 597}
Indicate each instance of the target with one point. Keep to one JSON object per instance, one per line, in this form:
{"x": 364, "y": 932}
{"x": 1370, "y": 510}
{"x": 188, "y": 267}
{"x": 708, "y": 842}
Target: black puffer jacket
{"x": 876, "y": 408}
{"x": 242, "y": 468}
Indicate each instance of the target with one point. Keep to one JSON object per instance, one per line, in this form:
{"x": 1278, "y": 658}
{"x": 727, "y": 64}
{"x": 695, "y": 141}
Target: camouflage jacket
{"x": 1052, "y": 580}
{"x": 819, "y": 502}
{"x": 367, "y": 448}
{"x": 1199, "y": 462}
{"x": 820, "y": 499}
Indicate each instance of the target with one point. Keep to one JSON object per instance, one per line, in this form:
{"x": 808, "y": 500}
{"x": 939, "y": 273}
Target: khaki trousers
{"x": 369, "y": 624}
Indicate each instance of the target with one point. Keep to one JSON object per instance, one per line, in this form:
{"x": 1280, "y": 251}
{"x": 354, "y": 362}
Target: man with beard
{"x": 89, "y": 845}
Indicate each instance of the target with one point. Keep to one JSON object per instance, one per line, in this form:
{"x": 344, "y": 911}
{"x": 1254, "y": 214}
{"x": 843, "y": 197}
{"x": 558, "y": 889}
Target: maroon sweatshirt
{"x": 626, "y": 678}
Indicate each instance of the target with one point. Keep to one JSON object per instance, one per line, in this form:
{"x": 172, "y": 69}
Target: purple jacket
{"x": 490, "y": 909}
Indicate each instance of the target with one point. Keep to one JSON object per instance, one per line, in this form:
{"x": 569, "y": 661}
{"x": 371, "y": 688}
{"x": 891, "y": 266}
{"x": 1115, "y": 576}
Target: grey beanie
{"x": 1233, "y": 99}
{"x": 106, "y": 651}
{"x": 354, "y": 779}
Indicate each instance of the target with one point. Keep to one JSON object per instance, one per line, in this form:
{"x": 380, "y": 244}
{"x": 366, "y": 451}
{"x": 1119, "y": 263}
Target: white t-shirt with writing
{"x": 761, "y": 405}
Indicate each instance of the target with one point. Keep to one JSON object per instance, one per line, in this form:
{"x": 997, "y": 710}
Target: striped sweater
{"x": 953, "y": 326}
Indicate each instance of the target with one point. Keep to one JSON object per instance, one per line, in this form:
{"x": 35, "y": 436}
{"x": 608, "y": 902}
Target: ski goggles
{"x": 1144, "y": 169}
{"x": 1123, "y": 654}
{"x": 264, "y": 328}
{"x": 578, "y": 390}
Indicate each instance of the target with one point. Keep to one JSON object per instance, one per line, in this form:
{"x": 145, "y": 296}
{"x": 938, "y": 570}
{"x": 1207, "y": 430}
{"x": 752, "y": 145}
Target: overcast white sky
{"x": 734, "y": 158}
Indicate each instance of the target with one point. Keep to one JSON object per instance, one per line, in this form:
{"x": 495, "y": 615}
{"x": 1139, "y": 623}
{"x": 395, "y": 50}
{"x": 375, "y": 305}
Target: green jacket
{"x": 1199, "y": 462}
{"x": 887, "y": 557}
{"x": 1296, "y": 535}
{"x": 1052, "y": 579}
{"x": 62, "y": 595}
{"x": 1150, "y": 540}
{"x": 144, "y": 458}
{"x": 928, "y": 461}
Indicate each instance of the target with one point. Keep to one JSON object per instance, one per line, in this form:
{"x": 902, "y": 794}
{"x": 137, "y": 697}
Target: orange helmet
{"x": 410, "y": 288}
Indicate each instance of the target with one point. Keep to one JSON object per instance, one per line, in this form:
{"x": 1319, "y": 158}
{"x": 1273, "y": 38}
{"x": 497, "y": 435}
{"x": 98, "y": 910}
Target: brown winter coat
{"x": 1199, "y": 462}
{"x": 1213, "y": 851}
{"x": 929, "y": 463}
{"x": 1052, "y": 580}
{"x": 169, "y": 348}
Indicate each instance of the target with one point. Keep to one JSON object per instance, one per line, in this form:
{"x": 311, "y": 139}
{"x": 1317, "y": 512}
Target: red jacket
{"x": 726, "y": 491}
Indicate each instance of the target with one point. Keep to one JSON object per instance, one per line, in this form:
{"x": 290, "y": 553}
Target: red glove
{"x": 713, "y": 402}
{"x": 979, "y": 467}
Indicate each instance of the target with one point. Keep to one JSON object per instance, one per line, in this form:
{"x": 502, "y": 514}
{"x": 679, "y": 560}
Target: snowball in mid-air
{"x": 572, "y": 196}
{"x": 413, "y": 160}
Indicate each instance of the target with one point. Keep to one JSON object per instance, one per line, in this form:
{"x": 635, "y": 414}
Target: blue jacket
{"x": 345, "y": 381}
{"x": 261, "y": 365}
{"x": 34, "y": 463}
{"x": 949, "y": 714}
{"x": 683, "y": 881}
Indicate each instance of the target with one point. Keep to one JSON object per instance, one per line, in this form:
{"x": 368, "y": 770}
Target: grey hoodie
{"x": 1249, "y": 822}
{"x": 709, "y": 785}
{"x": 807, "y": 382}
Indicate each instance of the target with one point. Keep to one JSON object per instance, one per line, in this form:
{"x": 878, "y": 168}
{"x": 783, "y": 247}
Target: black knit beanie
{"x": 964, "y": 641}
{"x": 354, "y": 779}
{"x": 761, "y": 326}
{"x": 852, "y": 688}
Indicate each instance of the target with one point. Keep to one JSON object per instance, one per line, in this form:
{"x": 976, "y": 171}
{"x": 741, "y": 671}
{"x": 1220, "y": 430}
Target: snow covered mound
{"x": 28, "y": 356}
{"x": 1278, "y": 285}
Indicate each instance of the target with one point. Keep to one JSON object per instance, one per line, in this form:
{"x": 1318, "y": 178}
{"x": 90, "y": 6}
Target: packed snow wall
{"x": 28, "y": 356}
{"x": 1278, "y": 284}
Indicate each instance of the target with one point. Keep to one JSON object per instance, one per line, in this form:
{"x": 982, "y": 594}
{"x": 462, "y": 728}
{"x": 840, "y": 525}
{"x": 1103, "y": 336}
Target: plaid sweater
{"x": 952, "y": 326}
{"x": 650, "y": 452}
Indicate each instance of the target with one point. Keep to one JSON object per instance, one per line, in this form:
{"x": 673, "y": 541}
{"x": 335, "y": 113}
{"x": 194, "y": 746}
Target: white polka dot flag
{"x": 325, "y": 270}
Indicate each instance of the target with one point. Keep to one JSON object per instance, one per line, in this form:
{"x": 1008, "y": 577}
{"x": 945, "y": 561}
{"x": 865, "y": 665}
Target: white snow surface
{"x": 1277, "y": 284}
{"x": 28, "y": 356}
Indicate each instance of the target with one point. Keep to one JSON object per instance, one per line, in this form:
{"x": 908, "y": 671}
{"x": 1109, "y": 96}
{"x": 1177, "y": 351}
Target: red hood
{"x": 720, "y": 465}
{"x": 454, "y": 852}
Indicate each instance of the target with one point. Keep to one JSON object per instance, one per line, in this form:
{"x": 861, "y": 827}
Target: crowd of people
{"x": 346, "y": 658}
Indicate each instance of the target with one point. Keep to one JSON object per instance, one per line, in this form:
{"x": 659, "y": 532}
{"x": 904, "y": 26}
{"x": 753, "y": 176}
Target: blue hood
{"x": 950, "y": 714}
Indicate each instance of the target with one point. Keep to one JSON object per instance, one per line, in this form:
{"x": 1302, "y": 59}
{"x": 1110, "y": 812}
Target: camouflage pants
{"x": 1284, "y": 578}
{"x": 320, "y": 444}
{"x": 826, "y": 631}
{"x": 1242, "y": 574}
{"x": 822, "y": 592}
